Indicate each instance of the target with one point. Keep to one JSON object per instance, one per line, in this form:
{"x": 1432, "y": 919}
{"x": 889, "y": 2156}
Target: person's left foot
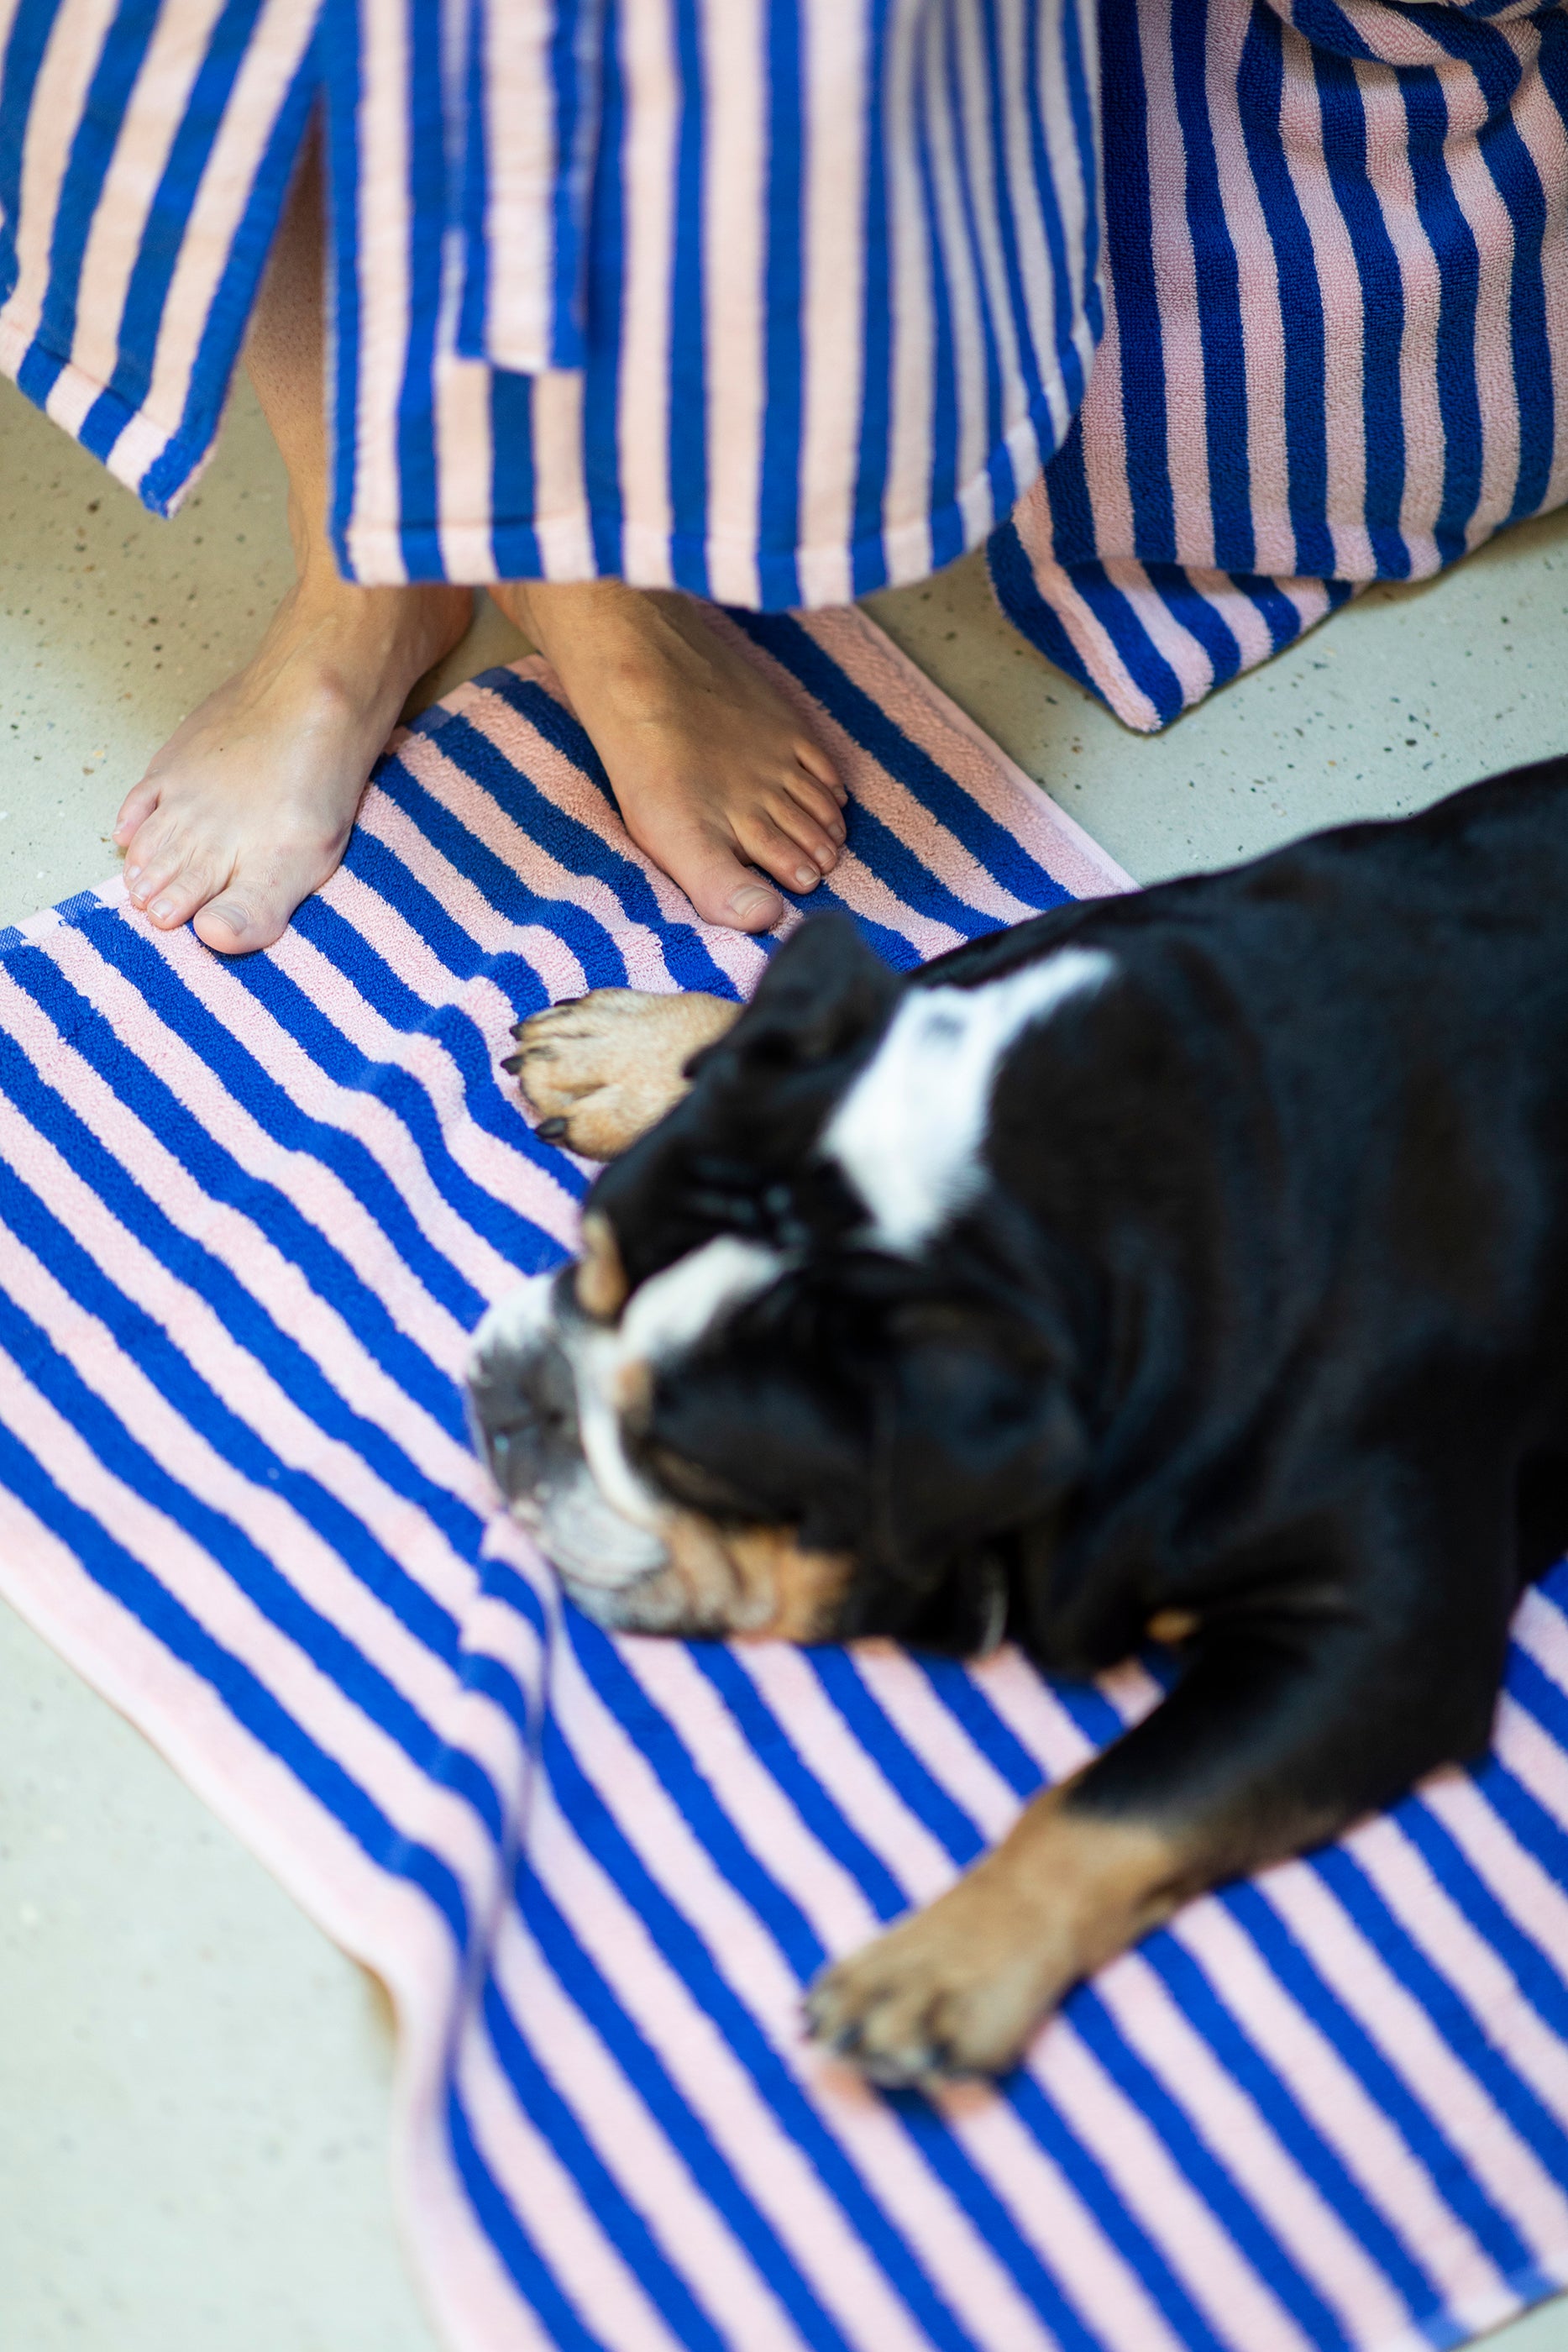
{"x": 713, "y": 773}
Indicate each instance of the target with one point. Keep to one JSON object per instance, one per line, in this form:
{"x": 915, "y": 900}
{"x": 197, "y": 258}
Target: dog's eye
{"x": 691, "y": 1483}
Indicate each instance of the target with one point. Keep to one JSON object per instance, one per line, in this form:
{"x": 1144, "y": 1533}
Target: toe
{"x": 816, "y": 802}
{"x": 174, "y": 896}
{"x": 134, "y": 811}
{"x": 719, "y": 887}
{"x": 233, "y": 924}
{"x": 793, "y": 850}
{"x": 816, "y": 763}
{"x": 153, "y": 857}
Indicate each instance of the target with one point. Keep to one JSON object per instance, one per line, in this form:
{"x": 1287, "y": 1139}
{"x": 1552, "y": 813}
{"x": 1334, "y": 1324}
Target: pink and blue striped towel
{"x": 251, "y": 1212}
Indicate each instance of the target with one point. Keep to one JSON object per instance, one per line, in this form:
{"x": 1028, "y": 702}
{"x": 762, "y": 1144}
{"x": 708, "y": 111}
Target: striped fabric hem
{"x": 122, "y": 320}
{"x": 1151, "y": 639}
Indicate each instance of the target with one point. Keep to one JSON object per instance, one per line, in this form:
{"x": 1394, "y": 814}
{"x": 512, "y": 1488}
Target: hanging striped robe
{"x": 781, "y": 300}
{"x": 776, "y": 301}
{"x": 1337, "y": 330}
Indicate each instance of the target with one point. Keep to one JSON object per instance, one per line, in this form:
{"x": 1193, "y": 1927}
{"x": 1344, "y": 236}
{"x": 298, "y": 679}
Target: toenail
{"x": 161, "y": 909}
{"x": 755, "y": 902}
{"x": 131, "y": 872}
{"x": 805, "y": 877}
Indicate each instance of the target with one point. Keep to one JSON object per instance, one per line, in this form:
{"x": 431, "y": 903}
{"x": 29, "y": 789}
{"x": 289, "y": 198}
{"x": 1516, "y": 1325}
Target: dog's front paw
{"x": 955, "y": 1991}
{"x": 603, "y": 1069}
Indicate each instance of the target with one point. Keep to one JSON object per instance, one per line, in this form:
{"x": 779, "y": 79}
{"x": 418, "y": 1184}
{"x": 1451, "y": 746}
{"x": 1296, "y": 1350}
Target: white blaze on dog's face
{"x": 910, "y": 1133}
{"x": 703, "y": 1449}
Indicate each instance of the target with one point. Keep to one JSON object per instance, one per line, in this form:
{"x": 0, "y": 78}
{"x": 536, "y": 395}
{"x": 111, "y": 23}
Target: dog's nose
{"x": 523, "y": 1403}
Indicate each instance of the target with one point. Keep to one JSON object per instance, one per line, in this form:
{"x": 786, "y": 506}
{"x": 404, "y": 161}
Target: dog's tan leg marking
{"x": 959, "y": 1988}
{"x": 601, "y": 1072}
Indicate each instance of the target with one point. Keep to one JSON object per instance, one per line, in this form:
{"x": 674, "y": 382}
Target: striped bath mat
{"x": 252, "y": 1210}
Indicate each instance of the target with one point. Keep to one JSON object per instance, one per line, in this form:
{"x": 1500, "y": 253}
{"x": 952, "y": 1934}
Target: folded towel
{"x": 251, "y": 1210}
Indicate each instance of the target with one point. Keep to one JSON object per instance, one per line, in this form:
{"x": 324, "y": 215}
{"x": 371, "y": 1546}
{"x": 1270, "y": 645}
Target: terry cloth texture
{"x": 251, "y": 1210}
{"x": 776, "y": 301}
{"x": 1336, "y": 338}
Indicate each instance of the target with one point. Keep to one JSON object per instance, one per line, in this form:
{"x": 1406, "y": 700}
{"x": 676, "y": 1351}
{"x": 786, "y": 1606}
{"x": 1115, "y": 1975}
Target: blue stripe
{"x": 1383, "y": 305}
{"x": 1195, "y": 2160}
{"x": 667, "y": 2106}
{"x": 1301, "y": 309}
{"x": 272, "y": 1107}
{"x": 1219, "y": 289}
{"x": 968, "y": 171}
{"x": 685, "y": 1952}
{"x": 1539, "y": 1971}
{"x": 931, "y": 94}
{"x": 574, "y": 72}
{"x": 30, "y": 29}
{"x": 319, "y": 1036}
{"x": 489, "y": 1108}
{"x": 606, "y": 291}
{"x": 419, "y": 500}
{"x": 141, "y": 1338}
{"x": 1000, "y": 101}
{"x": 688, "y": 356}
{"x": 779, "y": 519}
{"x": 1082, "y": 102}
{"x": 1130, "y": 228}
{"x": 867, "y": 548}
{"x": 473, "y": 305}
{"x": 1458, "y": 265}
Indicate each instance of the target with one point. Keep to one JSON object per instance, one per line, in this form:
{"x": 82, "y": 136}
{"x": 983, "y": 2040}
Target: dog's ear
{"x": 822, "y": 993}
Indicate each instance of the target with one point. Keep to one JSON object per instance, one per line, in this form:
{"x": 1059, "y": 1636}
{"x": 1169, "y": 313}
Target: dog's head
{"x": 807, "y": 1379}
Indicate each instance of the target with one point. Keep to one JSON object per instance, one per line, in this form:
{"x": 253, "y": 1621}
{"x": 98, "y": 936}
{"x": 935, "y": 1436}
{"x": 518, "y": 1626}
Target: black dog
{"x": 1191, "y": 1264}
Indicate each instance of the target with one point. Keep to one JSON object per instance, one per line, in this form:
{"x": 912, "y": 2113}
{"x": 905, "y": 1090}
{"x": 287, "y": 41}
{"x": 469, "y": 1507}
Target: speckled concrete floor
{"x": 192, "y": 2082}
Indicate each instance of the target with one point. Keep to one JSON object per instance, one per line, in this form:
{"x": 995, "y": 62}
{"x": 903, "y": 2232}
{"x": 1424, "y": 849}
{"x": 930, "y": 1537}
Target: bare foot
{"x": 713, "y": 773}
{"x": 248, "y": 807}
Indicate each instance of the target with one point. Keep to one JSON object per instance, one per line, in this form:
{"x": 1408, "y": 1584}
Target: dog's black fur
{"x": 1262, "y": 1317}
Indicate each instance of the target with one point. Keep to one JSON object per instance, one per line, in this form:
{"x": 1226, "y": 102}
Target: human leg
{"x": 248, "y": 807}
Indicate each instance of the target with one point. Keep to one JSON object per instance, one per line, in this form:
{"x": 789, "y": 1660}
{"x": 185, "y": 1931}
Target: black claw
{"x": 550, "y": 1131}
{"x": 559, "y": 1001}
{"x": 518, "y": 1028}
{"x": 512, "y": 1064}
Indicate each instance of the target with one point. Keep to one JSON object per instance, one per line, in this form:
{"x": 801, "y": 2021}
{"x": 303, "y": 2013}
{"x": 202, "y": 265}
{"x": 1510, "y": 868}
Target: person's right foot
{"x": 248, "y": 807}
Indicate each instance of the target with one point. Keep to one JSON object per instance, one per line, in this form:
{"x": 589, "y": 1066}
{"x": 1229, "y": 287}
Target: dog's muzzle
{"x": 525, "y": 1411}
{"x": 522, "y": 1397}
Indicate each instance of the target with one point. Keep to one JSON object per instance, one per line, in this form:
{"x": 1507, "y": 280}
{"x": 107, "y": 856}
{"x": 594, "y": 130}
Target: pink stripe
{"x": 1334, "y": 2098}
{"x": 1340, "y": 2269}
